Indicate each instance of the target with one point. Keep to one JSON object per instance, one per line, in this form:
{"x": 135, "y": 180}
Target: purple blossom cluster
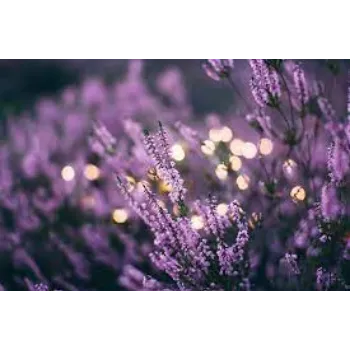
{"x": 63, "y": 222}
{"x": 255, "y": 198}
{"x": 194, "y": 261}
{"x": 298, "y": 236}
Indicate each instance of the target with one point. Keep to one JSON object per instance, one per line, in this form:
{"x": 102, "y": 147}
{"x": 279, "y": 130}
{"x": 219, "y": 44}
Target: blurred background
{"x": 23, "y": 79}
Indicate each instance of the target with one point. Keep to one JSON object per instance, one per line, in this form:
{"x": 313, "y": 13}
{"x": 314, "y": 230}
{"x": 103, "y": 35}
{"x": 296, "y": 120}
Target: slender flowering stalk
{"x": 301, "y": 86}
{"x": 193, "y": 261}
{"x": 326, "y": 108}
{"x": 291, "y": 263}
{"x": 339, "y": 161}
{"x": 330, "y": 205}
{"x": 265, "y": 84}
{"x": 58, "y": 199}
{"x": 189, "y": 134}
{"x": 324, "y": 279}
{"x": 202, "y": 249}
{"x": 157, "y": 147}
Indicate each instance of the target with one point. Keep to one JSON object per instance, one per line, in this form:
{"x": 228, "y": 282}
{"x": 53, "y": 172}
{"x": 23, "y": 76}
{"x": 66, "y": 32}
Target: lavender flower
{"x": 41, "y": 287}
{"x": 218, "y": 69}
{"x": 324, "y": 279}
{"x": 191, "y": 260}
{"x": 218, "y": 258}
{"x": 301, "y": 85}
{"x": 56, "y": 190}
{"x": 290, "y": 260}
{"x": 265, "y": 84}
{"x": 326, "y": 108}
{"x": 339, "y": 161}
{"x": 330, "y": 205}
{"x": 159, "y": 149}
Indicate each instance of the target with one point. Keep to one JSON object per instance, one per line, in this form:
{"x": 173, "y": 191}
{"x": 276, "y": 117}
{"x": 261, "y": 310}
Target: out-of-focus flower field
{"x": 214, "y": 174}
{"x": 24, "y": 81}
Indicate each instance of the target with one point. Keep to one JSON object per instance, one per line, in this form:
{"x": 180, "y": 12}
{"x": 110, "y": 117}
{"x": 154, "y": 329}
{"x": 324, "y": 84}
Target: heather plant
{"x": 63, "y": 223}
{"x": 297, "y": 211}
{"x": 304, "y": 134}
{"x": 254, "y": 198}
{"x": 192, "y": 260}
{"x": 326, "y": 248}
{"x": 50, "y": 202}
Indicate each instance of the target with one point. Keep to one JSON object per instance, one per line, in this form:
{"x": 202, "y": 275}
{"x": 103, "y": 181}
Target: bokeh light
{"x": 91, "y": 172}
{"x": 222, "y": 208}
{"x": 236, "y": 147}
{"x": 68, "y": 173}
{"x": 164, "y": 187}
{"x": 265, "y": 146}
{"x": 226, "y": 134}
{"x": 208, "y": 147}
{"x": 221, "y": 172}
{"x": 178, "y": 152}
{"x": 197, "y": 222}
{"x": 243, "y": 182}
{"x": 215, "y": 135}
{"x": 120, "y": 216}
{"x": 298, "y": 193}
{"x": 249, "y": 150}
{"x": 236, "y": 163}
